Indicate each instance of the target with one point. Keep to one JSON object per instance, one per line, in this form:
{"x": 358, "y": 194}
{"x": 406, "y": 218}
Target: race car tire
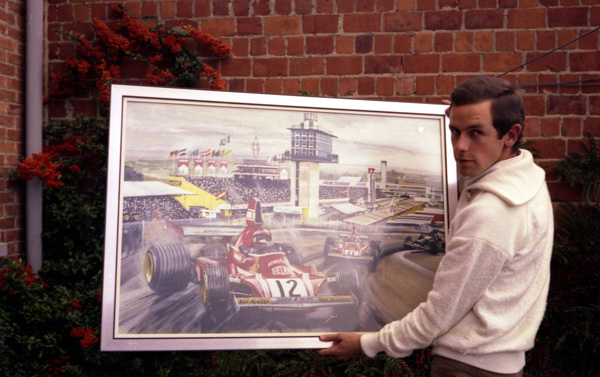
{"x": 215, "y": 288}
{"x": 375, "y": 247}
{"x": 406, "y": 241}
{"x": 167, "y": 267}
{"x": 347, "y": 280}
{"x": 329, "y": 244}
{"x": 292, "y": 254}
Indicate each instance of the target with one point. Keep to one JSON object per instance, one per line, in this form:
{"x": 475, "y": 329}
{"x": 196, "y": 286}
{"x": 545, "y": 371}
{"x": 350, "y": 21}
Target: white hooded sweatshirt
{"x": 490, "y": 289}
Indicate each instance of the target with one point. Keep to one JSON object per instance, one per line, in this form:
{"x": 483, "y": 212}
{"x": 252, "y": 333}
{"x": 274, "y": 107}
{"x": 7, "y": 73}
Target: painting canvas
{"x": 253, "y": 221}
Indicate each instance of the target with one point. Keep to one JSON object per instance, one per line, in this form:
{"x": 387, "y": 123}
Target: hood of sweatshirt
{"x": 515, "y": 180}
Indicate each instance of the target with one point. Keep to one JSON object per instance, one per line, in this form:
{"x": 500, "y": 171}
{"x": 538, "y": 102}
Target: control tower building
{"x": 311, "y": 145}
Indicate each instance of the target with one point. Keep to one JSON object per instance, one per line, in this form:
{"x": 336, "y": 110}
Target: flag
{"x": 183, "y": 152}
{"x": 216, "y": 154}
{"x": 196, "y": 153}
{"x": 221, "y": 195}
{"x": 228, "y": 153}
{"x": 206, "y": 153}
{"x": 344, "y": 191}
{"x": 173, "y": 154}
{"x": 225, "y": 140}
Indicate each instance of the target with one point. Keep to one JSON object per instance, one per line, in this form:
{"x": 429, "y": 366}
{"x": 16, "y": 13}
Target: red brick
{"x": 310, "y": 85}
{"x": 421, "y": 4}
{"x": 365, "y": 5}
{"x": 584, "y": 61}
{"x": 461, "y": 63}
{"x": 591, "y": 125}
{"x": 344, "y": 44}
{"x": 423, "y": 42}
{"x": 566, "y": 105}
{"x": 548, "y": 83}
{"x": 291, "y": 86}
{"x": 571, "y": 127}
{"x": 385, "y": 86}
{"x": 569, "y": 87}
{"x": 258, "y": 46}
{"x": 240, "y": 46}
{"x": 426, "y": 63}
{"x": 201, "y": 8}
{"x": 383, "y": 64}
{"x": 321, "y": 23}
{"x": 464, "y": 41}
{"x": 363, "y": 44}
{"x": 307, "y": 66}
{"x": 594, "y": 105}
{"x": 241, "y": 8}
{"x": 549, "y": 127}
{"x": 329, "y": 86}
{"x": 425, "y": 86}
{"x": 262, "y": 8}
{"x": 295, "y": 45}
{"x": 366, "y": 86}
{"x": 505, "y": 41}
{"x": 255, "y": 85}
{"x": 443, "y": 20}
{"x": 166, "y": 9}
{"x": 405, "y": 86}
{"x": 444, "y": 85}
{"x": 303, "y": 6}
{"x": 344, "y": 65}
{"x": 565, "y": 38}
{"x": 220, "y": 7}
{"x": 484, "y": 19}
{"x": 501, "y": 62}
{"x": 546, "y": 40}
{"x": 508, "y": 4}
{"x": 218, "y": 27}
{"x": 322, "y": 45}
{"x": 484, "y": 41}
{"x": 325, "y": 6}
{"x": 347, "y": 86}
{"x": 590, "y": 41}
{"x": 527, "y": 18}
{"x": 387, "y": 5}
{"x": 273, "y": 86}
{"x": 283, "y": 7}
{"x": 65, "y": 13}
{"x": 535, "y": 105}
{"x": 360, "y": 23}
{"x": 383, "y": 43}
{"x": 402, "y": 44}
{"x": 564, "y": 191}
{"x": 82, "y": 13}
{"x": 276, "y": 47}
{"x": 443, "y": 42}
{"x": 550, "y": 148}
{"x": 555, "y": 62}
{"x": 525, "y": 40}
{"x": 343, "y": 6}
{"x": 285, "y": 25}
{"x": 248, "y": 25}
{"x": 402, "y": 21}
{"x": 565, "y": 16}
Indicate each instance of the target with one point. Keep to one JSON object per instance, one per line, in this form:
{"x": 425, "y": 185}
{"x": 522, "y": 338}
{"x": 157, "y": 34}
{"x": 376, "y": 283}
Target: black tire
{"x": 292, "y": 254}
{"x": 329, "y": 244}
{"x": 215, "y": 288}
{"x": 375, "y": 254}
{"x": 167, "y": 267}
{"x": 347, "y": 280}
{"x": 406, "y": 241}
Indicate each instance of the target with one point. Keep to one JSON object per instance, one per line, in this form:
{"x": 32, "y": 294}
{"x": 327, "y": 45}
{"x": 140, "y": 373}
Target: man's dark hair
{"x": 507, "y": 105}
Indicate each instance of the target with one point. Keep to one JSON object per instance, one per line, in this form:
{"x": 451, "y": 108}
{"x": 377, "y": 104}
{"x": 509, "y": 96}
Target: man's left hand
{"x": 345, "y": 345}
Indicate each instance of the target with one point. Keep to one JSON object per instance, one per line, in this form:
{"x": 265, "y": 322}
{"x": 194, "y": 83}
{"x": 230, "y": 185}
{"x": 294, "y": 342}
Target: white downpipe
{"x": 34, "y": 57}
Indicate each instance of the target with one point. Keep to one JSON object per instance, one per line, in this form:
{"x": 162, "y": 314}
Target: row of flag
{"x": 206, "y": 153}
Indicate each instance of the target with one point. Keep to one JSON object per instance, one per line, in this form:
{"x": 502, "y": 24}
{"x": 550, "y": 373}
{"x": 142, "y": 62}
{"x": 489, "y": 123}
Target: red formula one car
{"x": 351, "y": 248}
{"x": 250, "y": 272}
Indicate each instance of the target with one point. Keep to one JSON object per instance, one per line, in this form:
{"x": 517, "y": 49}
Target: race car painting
{"x": 250, "y": 272}
{"x": 351, "y": 247}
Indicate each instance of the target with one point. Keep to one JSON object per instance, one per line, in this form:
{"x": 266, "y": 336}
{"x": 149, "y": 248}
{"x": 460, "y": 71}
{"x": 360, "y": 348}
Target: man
{"x": 490, "y": 289}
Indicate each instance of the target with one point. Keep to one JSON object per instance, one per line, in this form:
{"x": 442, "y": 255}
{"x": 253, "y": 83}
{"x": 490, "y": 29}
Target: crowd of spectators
{"x": 144, "y": 208}
{"x": 239, "y": 191}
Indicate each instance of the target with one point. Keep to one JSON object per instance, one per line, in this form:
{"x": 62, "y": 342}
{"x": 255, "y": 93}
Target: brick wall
{"x": 393, "y": 50}
{"x": 11, "y": 123}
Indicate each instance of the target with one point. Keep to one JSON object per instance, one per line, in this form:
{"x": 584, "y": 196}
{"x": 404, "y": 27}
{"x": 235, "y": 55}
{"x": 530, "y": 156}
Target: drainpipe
{"x": 33, "y": 128}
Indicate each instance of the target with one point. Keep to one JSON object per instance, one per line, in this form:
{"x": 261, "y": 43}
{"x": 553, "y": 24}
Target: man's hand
{"x": 345, "y": 345}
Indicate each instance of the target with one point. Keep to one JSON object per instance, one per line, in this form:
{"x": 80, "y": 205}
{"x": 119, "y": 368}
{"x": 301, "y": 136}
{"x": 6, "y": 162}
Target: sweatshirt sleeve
{"x": 467, "y": 269}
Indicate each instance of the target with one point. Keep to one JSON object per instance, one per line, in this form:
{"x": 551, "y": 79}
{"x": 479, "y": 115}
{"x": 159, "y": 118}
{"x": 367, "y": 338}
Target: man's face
{"x": 475, "y": 140}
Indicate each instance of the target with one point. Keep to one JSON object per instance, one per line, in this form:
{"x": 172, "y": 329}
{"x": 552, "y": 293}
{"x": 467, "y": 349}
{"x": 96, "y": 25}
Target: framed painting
{"x": 253, "y": 221}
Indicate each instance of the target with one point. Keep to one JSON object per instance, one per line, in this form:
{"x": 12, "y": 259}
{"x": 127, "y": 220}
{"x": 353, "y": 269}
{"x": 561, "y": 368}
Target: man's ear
{"x": 512, "y": 135}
